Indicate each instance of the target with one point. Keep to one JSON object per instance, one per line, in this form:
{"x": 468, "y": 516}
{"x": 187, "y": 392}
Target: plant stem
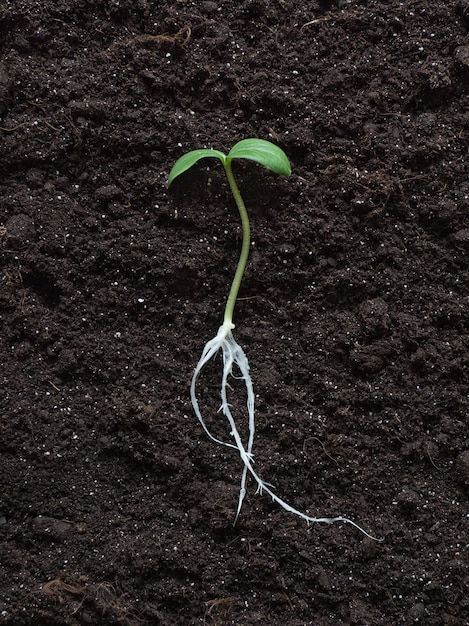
{"x": 243, "y": 257}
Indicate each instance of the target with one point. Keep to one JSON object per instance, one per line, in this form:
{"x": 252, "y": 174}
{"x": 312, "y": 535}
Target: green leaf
{"x": 263, "y": 152}
{"x": 189, "y": 159}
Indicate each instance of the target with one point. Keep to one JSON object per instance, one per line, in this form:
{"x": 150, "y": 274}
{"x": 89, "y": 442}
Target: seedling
{"x": 274, "y": 159}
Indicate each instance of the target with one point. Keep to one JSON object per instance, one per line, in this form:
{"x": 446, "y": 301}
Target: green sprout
{"x": 258, "y": 150}
{"x": 274, "y": 159}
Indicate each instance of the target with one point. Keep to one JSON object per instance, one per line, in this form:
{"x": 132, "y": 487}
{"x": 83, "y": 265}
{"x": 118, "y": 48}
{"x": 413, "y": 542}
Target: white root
{"x": 233, "y": 354}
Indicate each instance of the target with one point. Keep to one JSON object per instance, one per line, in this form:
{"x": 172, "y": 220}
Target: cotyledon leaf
{"x": 189, "y": 159}
{"x": 264, "y": 152}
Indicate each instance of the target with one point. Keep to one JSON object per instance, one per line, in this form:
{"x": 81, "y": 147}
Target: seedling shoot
{"x": 274, "y": 159}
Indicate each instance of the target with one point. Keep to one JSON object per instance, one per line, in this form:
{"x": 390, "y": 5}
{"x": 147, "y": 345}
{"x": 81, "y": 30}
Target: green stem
{"x": 243, "y": 257}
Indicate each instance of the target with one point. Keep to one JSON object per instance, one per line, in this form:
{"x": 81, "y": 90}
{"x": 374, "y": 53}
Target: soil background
{"x": 115, "y": 508}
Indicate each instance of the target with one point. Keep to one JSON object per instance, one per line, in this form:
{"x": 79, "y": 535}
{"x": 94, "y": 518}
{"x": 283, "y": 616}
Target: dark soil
{"x": 115, "y": 508}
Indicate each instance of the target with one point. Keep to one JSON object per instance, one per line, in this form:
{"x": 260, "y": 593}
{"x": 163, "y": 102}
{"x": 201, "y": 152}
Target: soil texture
{"x": 115, "y": 507}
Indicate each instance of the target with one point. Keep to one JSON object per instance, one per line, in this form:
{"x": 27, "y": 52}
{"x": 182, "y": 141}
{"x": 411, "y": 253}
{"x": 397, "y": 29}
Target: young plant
{"x": 274, "y": 159}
